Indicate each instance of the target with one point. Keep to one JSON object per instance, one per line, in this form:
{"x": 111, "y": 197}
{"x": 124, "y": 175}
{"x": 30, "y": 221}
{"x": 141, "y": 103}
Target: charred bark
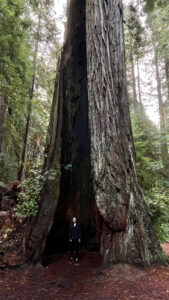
{"x": 68, "y": 143}
{"x": 76, "y": 189}
{"x": 39, "y": 228}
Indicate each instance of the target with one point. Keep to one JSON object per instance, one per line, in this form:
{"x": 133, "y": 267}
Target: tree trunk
{"x": 37, "y": 232}
{"x": 127, "y": 234}
{"x": 21, "y": 173}
{"x": 133, "y": 82}
{"x": 2, "y": 119}
{"x": 138, "y": 80}
{"x": 101, "y": 188}
{"x": 166, "y": 62}
{"x": 164, "y": 147}
{"x": 76, "y": 197}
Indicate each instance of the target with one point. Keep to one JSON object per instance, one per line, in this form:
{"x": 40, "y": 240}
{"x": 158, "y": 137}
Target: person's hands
{"x": 79, "y": 240}
{"x": 70, "y": 240}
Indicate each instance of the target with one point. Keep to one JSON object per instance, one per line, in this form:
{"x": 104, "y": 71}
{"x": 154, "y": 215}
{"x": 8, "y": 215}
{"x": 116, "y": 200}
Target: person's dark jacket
{"x": 74, "y": 232}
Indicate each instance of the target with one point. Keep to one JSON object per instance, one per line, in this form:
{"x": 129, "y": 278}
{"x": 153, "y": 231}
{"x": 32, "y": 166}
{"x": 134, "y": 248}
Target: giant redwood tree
{"x": 90, "y": 131}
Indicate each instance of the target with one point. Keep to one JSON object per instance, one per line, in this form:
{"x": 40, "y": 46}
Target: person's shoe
{"x": 71, "y": 260}
{"x": 76, "y": 261}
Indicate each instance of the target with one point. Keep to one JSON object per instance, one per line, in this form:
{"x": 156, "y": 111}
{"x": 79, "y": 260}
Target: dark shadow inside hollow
{"x": 76, "y": 188}
{"x": 58, "y": 238}
{"x": 76, "y": 200}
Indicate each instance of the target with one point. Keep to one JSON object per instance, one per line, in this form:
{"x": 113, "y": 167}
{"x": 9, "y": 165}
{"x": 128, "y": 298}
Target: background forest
{"x": 29, "y": 50}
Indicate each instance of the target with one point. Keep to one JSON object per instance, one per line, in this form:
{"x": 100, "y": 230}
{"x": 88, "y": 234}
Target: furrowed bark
{"x": 127, "y": 235}
{"x": 35, "y": 239}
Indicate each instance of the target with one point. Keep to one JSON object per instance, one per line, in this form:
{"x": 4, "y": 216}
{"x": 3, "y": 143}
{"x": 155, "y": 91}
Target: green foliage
{"x": 150, "y": 171}
{"x": 149, "y": 5}
{"x": 25, "y": 26}
{"x": 158, "y": 19}
{"x": 135, "y": 40}
{"x": 158, "y": 204}
{"x": 67, "y": 167}
{"x": 28, "y": 199}
{"x": 8, "y": 166}
{"x": 147, "y": 137}
{"x": 15, "y": 76}
{"x": 147, "y": 144}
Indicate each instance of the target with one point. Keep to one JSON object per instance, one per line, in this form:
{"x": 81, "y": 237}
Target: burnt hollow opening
{"x": 58, "y": 241}
{"x": 76, "y": 199}
{"x": 76, "y": 188}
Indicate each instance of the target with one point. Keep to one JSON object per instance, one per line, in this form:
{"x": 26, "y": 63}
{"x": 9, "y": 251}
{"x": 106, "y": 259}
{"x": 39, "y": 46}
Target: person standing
{"x": 75, "y": 239}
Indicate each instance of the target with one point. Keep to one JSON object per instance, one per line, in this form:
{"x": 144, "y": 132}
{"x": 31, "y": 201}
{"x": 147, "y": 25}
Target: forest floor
{"x": 88, "y": 280}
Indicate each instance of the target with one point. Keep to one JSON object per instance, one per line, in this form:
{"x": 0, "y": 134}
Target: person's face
{"x": 74, "y": 220}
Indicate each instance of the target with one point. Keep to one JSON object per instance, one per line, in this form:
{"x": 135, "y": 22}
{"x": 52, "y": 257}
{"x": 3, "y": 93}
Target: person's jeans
{"x": 74, "y": 248}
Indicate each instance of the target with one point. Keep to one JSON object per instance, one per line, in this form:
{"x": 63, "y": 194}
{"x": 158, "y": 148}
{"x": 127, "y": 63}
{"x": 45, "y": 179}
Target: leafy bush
{"x": 157, "y": 200}
{"x": 32, "y": 186}
{"x": 28, "y": 199}
{"x": 8, "y": 167}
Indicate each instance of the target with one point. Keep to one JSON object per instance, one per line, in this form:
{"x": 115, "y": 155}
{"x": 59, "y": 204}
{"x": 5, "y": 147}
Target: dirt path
{"x": 88, "y": 280}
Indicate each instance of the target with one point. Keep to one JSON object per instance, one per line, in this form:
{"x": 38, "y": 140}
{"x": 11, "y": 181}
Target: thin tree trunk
{"x": 127, "y": 235}
{"x": 133, "y": 82}
{"x": 164, "y": 147}
{"x": 21, "y": 173}
{"x": 2, "y": 119}
{"x": 166, "y": 62}
{"x": 138, "y": 81}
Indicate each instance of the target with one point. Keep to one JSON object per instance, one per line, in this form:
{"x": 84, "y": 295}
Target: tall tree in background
{"x": 14, "y": 76}
{"x": 91, "y": 92}
{"x": 147, "y": 139}
{"x": 21, "y": 174}
{"x": 44, "y": 33}
{"x": 23, "y": 52}
{"x": 135, "y": 44}
{"x": 164, "y": 147}
{"x": 2, "y": 118}
{"x": 157, "y": 21}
